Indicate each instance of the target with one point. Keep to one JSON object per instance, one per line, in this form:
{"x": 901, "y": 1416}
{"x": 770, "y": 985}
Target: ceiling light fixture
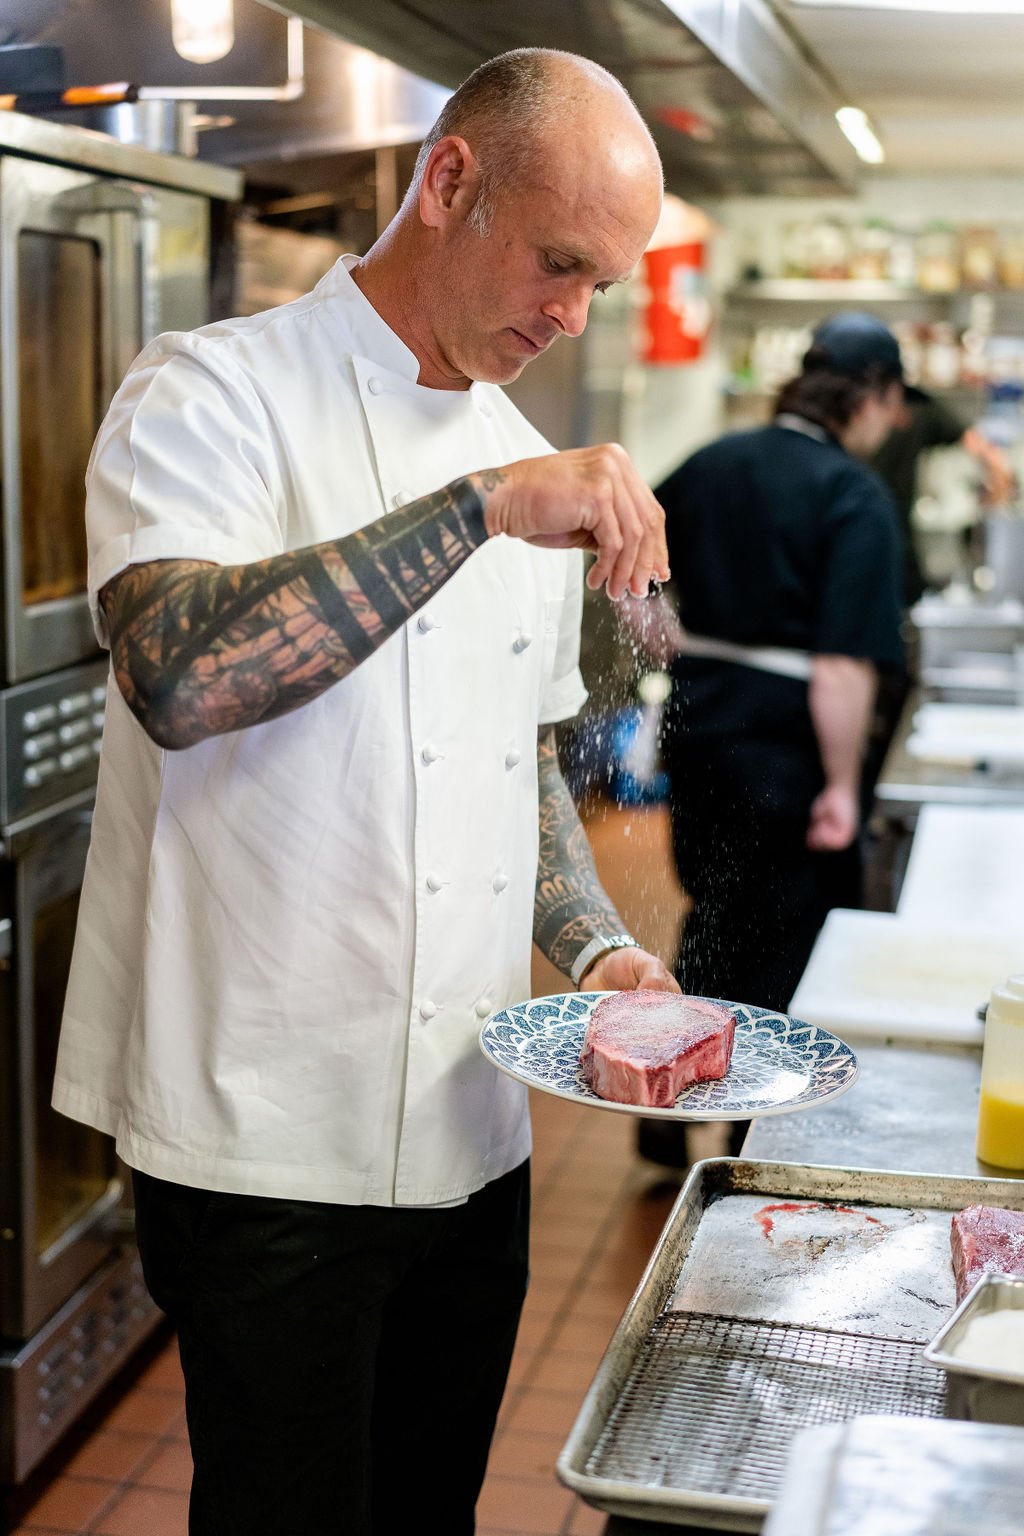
{"x": 202, "y": 30}
{"x": 857, "y": 128}
{"x": 944, "y": 7}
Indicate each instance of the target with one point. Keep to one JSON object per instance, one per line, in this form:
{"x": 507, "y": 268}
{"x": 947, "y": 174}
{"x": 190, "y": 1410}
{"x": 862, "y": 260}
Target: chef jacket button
{"x": 482, "y": 1007}
{"x": 375, "y": 386}
{"x": 428, "y": 1010}
{"x": 429, "y": 755}
{"x": 499, "y": 883}
{"x": 522, "y": 641}
{"x": 400, "y": 498}
{"x": 425, "y": 623}
{"x": 434, "y": 883}
{"x": 513, "y": 758}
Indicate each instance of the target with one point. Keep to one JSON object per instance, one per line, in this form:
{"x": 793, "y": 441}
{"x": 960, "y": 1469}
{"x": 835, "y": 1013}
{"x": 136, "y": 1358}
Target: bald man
{"x": 341, "y": 578}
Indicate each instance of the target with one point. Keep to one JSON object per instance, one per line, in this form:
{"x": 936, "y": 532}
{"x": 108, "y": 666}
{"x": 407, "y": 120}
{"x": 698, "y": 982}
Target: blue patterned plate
{"x": 778, "y": 1064}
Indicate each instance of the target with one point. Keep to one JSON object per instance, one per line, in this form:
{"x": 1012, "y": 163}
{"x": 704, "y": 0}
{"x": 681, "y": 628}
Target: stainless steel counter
{"x": 906, "y": 783}
{"x": 912, "y": 1108}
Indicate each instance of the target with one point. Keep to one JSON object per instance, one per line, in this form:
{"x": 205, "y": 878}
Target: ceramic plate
{"x": 778, "y": 1063}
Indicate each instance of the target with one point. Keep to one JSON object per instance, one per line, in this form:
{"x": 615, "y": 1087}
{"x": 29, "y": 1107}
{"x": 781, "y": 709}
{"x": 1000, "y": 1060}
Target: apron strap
{"x": 763, "y": 658}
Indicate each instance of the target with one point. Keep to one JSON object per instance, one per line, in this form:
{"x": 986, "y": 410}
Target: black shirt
{"x": 778, "y": 539}
{"x": 930, "y": 425}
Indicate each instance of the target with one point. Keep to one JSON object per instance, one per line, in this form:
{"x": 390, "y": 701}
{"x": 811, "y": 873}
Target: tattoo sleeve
{"x": 201, "y": 649}
{"x": 570, "y": 906}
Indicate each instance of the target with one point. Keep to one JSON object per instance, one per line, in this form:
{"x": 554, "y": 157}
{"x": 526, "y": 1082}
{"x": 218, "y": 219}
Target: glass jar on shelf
{"x": 938, "y": 259}
{"x": 912, "y": 338}
{"x": 796, "y": 250}
{"x": 902, "y": 259}
{"x": 871, "y": 247}
{"x": 1010, "y": 256}
{"x": 941, "y": 368}
{"x": 978, "y": 258}
{"x": 829, "y": 250}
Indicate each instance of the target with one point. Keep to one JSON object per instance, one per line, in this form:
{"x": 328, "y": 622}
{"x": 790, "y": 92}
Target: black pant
{"x": 343, "y": 1365}
{"x": 760, "y": 896}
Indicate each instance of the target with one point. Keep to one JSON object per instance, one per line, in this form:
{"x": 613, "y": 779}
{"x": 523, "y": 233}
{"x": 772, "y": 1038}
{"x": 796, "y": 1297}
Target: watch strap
{"x": 595, "y": 949}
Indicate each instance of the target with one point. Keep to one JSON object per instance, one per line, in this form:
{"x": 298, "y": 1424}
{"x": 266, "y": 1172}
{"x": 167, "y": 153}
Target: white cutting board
{"x": 879, "y": 975}
{"x": 968, "y": 734}
{"x": 966, "y": 866}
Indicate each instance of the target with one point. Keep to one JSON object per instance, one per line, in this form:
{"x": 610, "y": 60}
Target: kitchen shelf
{"x": 962, "y": 394}
{"x": 800, "y": 290}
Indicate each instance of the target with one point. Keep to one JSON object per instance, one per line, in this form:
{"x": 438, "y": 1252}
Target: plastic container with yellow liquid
{"x": 1001, "y": 1110}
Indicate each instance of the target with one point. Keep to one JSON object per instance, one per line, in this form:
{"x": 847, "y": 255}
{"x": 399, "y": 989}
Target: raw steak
{"x": 646, "y": 1047}
{"x": 984, "y": 1238}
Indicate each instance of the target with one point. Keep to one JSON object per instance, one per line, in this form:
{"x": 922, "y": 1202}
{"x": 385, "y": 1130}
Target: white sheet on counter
{"x": 966, "y": 866}
{"x": 881, "y": 975}
{"x": 968, "y": 734}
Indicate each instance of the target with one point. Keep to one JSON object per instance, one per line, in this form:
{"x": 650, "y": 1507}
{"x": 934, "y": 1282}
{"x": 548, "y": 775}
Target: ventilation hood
{"x": 735, "y": 106}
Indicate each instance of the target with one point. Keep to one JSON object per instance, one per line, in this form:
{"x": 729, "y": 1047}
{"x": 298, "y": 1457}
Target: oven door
{"x": 91, "y": 268}
{"x": 59, "y": 1180}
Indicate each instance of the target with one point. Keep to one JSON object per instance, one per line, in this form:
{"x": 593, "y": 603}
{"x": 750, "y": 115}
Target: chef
{"x": 786, "y": 553}
{"x": 340, "y": 577}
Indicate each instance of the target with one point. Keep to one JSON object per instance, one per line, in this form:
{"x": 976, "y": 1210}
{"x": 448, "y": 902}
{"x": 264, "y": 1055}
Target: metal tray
{"x": 779, "y": 1296}
{"x": 978, "y": 1391}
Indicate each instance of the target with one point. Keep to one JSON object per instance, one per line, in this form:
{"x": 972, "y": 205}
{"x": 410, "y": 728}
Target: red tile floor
{"x": 598, "y": 1209}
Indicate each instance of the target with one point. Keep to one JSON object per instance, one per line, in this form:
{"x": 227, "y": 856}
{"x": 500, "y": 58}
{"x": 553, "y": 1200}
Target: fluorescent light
{"x": 946, "y": 7}
{"x": 202, "y": 30}
{"x": 861, "y": 135}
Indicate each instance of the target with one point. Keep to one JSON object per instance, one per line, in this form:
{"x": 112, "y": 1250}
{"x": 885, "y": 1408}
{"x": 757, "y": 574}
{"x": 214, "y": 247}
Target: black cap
{"x": 855, "y": 344}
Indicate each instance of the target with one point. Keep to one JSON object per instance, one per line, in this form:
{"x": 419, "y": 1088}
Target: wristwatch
{"x": 595, "y": 949}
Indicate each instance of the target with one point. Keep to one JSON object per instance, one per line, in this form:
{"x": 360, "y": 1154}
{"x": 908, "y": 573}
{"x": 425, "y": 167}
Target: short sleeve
{"x": 859, "y": 610}
{"x": 565, "y": 694}
{"x": 182, "y": 467}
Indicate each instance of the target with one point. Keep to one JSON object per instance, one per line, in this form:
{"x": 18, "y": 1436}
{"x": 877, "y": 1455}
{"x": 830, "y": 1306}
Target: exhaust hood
{"x": 734, "y": 104}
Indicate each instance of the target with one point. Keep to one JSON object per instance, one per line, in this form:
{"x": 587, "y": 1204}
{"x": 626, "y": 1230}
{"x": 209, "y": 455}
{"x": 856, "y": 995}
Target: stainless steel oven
{"x": 101, "y": 247}
{"x": 93, "y": 264}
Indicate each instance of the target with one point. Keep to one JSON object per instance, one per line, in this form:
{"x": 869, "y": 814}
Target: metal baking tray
{"x": 779, "y": 1296}
{"x": 979, "y": 1391}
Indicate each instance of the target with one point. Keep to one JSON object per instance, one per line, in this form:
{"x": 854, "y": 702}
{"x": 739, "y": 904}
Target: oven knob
{"x": 73, "y": 704}
{"x": 73, "y": 758}
{"x": 35, "y": 719}
{"x": 38, "y": 773}
{"x": 38, "y": 746}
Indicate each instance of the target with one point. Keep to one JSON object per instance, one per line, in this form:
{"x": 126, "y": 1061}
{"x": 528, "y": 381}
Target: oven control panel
{"x": 51, "y": 729}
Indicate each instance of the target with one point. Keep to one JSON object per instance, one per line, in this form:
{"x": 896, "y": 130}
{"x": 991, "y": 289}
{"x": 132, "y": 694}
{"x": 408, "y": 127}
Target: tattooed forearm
{"x": 201, "y": 649}
{"x": 570, "y": 905}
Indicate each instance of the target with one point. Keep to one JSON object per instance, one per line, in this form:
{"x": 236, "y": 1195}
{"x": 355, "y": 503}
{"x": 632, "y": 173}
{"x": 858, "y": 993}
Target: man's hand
{"x": 625, "y": 970}
{"x": 584, "y": 498}
{"x": 834, "y": 819}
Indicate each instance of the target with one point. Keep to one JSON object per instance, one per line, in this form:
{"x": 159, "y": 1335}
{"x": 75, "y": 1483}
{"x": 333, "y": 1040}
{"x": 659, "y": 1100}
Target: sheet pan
{"x": 779, "y": 1296}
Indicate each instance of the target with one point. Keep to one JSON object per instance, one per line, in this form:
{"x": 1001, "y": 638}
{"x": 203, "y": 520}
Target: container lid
{"x": 1008, "y": 999}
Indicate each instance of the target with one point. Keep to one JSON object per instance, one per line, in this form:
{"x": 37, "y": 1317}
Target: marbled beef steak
{"x": 985, "y": 1238}
{"x": 646, "y": 1047}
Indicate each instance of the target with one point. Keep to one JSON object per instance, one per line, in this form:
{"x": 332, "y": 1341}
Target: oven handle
{"x": 98, "y": 197}
{"x": 6, "y": 943}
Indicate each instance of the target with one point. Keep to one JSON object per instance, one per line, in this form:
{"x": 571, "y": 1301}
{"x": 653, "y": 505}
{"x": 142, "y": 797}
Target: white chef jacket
{"x": 289, "y": 935}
